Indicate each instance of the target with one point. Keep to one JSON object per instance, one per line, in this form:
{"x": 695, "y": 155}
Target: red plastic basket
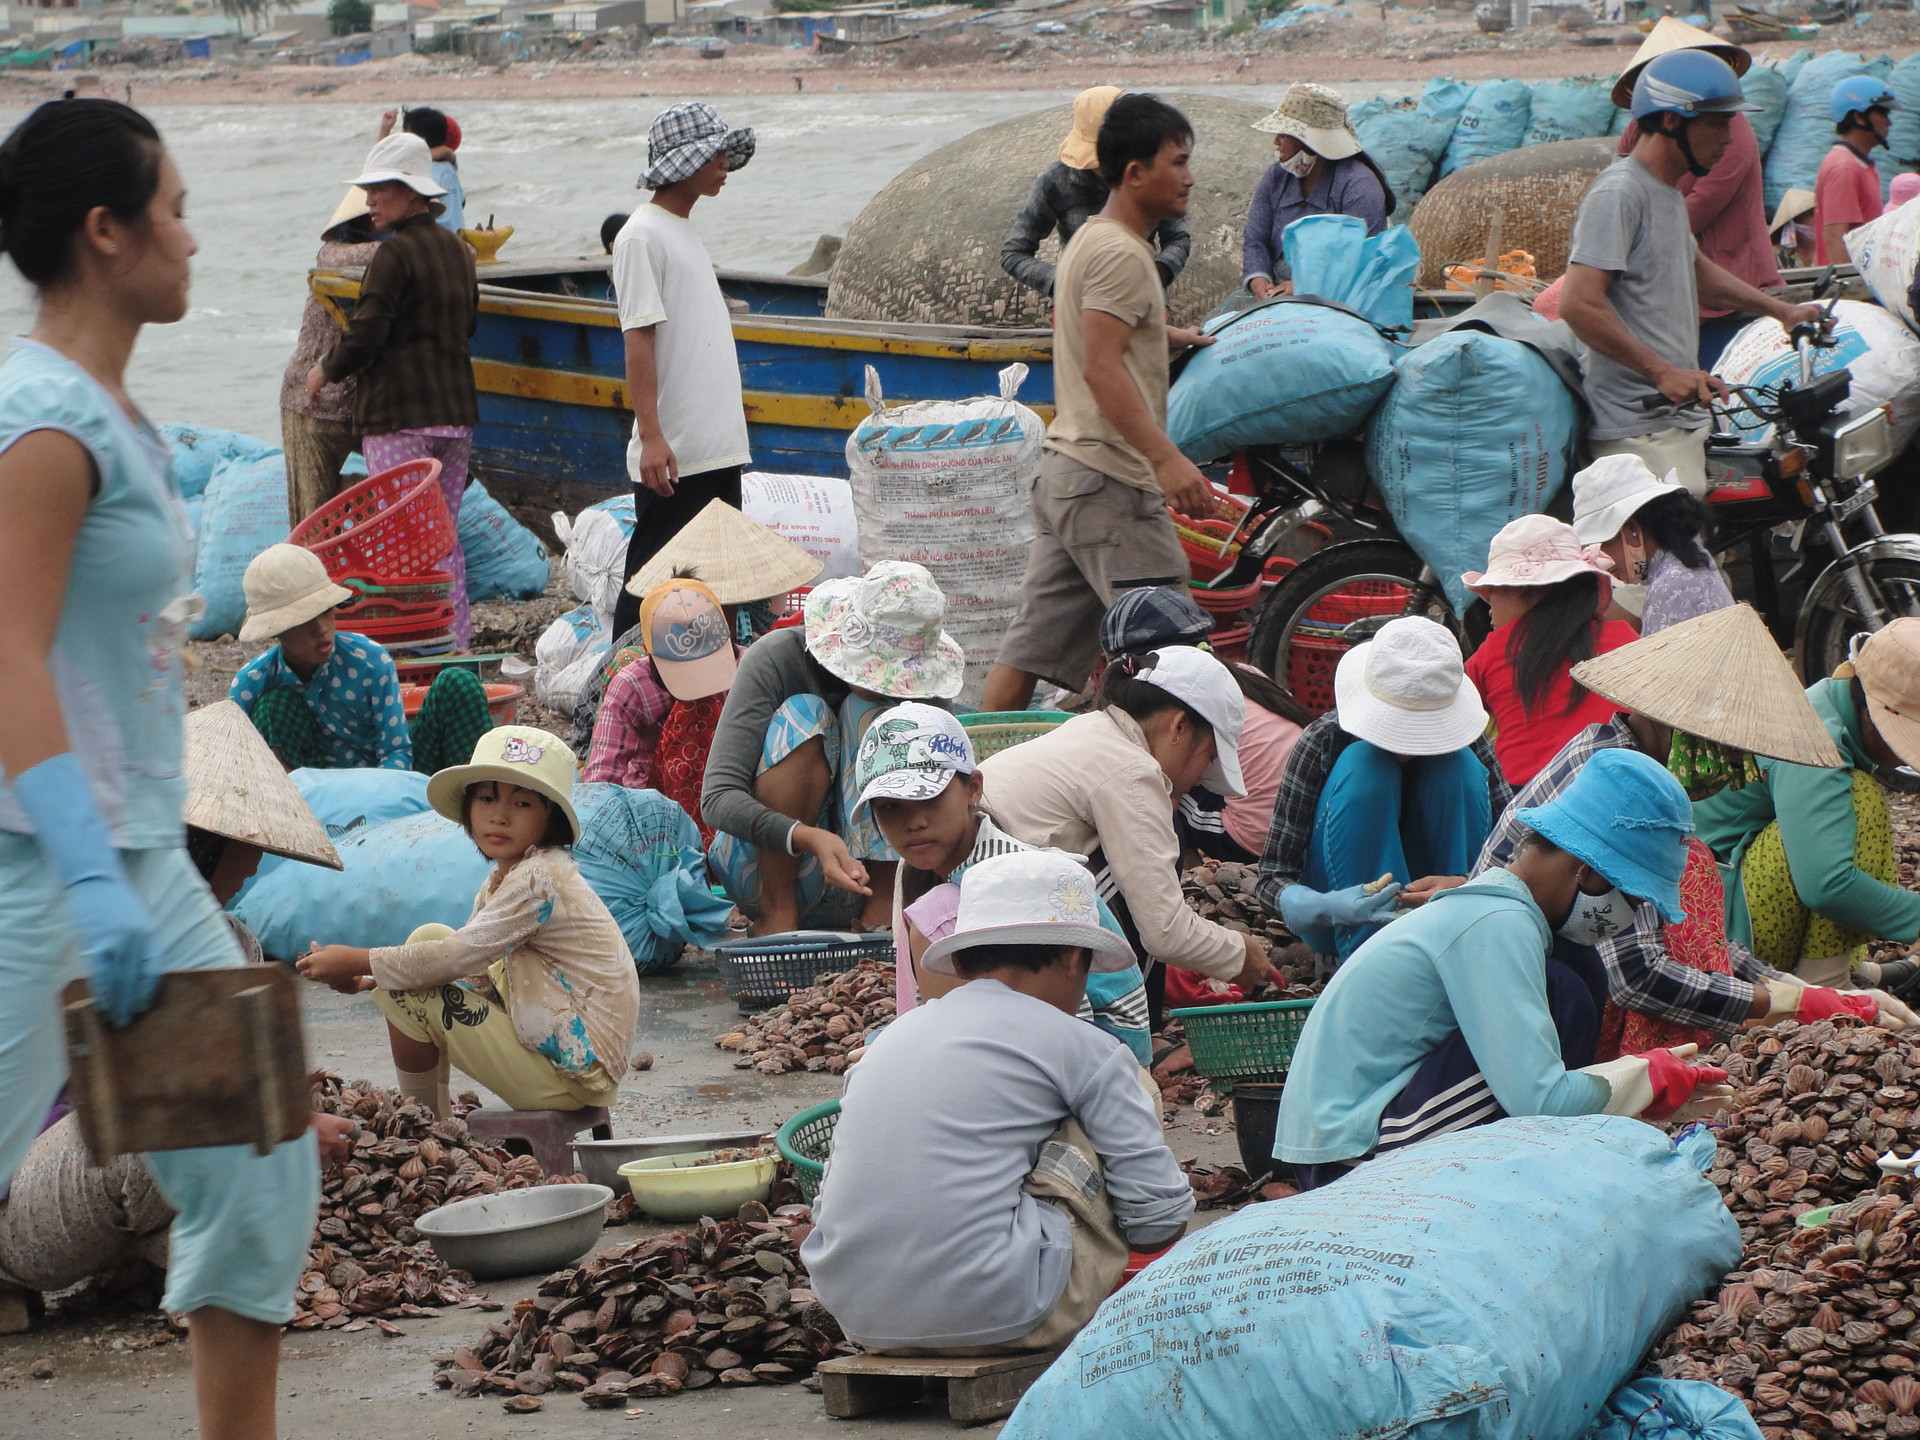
{"x": 789, "y": 609}
{"x": 394, "y": 525}
{"x": 388, "y": 612}
{"x": 1231, "y": 645}
{"x": 429, "y": 620}
{"x": 1226, "y": 605}
{"x": 502, "y": 701}
{"x": 1317, "y": 645}
{"x": 413, "y": 590}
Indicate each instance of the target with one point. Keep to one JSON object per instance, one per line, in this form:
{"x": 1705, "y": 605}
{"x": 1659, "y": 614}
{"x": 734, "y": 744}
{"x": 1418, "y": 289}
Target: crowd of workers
{"x": 1522, "y": 909}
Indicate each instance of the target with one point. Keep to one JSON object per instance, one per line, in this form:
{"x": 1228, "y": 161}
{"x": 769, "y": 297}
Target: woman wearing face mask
{"x": 1105, "y": 784}
{"x": 1320, "y": 170}
{"x": 1457, "y": 1015}
{"x": 1654, "y": 532}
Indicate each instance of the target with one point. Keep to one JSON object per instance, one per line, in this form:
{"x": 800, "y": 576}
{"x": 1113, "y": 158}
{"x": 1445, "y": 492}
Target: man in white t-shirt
{"x": 683, "y": 378}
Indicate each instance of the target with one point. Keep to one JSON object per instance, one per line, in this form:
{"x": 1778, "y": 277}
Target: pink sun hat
{"x": 1539, "y": 550}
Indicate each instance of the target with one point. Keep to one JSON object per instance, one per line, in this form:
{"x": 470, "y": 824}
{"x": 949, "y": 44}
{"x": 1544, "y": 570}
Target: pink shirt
{"x": 1847, "y": 193}
{"x": 1265, "y": 743}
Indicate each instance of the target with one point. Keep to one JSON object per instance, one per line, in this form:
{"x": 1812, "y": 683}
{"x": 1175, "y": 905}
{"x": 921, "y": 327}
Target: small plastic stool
{"x": 547, "y": 1135}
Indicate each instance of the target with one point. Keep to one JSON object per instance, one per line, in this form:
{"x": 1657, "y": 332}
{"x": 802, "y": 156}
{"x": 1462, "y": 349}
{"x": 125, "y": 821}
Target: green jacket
{"x": 1817, "y": 829}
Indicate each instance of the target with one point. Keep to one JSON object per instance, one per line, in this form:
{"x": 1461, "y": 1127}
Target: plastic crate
{"x": 762, "y": 972}
{"x": 991, "y": 731}
{"x": 1244, "y": 1042}
{"x": 804, "y": 1142}
{"x": 391, "y": 526}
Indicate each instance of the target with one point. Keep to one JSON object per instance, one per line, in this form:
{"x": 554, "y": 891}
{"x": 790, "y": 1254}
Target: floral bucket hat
{"x": 882, "y": 632}
{"x": 1539, "y": 550}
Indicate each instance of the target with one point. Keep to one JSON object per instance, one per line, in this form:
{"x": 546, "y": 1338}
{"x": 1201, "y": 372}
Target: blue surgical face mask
{"x": 1597, "y": 917}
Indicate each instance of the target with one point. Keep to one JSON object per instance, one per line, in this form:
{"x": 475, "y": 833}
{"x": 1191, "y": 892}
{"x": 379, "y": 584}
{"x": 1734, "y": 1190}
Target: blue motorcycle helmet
{"x": 1859, "y": 93}
{"x": 1687, "y": 83}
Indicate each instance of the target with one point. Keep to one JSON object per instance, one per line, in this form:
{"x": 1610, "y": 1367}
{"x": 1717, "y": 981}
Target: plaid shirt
{"x": 628, "y": 727}
{"x": 1640, "y": 974}
{"x": 408, "y": 338}
{"x": 1319, "y": 745}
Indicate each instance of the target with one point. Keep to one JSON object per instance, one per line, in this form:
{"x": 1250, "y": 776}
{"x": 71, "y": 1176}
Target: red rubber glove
{"x": 1138, "y": 1260}
{"x": 1674, "y": 1081}
{"x": 1817, "y": 1003}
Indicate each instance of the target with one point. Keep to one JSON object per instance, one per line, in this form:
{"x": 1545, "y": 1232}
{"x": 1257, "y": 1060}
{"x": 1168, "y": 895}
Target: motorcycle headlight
{"x": 1863, "y": 445}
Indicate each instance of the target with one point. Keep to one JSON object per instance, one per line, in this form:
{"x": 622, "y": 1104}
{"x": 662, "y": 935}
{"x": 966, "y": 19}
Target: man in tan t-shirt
{"x": 1109, "y": 471}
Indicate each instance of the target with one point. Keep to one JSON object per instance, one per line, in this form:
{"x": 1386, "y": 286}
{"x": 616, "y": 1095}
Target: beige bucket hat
{"x": 1315, "y": 116}
{"x": 287, "y": 585}
{"x": 1090, "y": 107}
{"x": 737, "y": 558}
{"x": 1887, "y": 665}
{"x": 236, "y": 787}
{"x": 1793, "y": 205}
{"x": 1720, "y": 676}
{"x": 1672, "y": 34}
{"x": 519, "y": 755}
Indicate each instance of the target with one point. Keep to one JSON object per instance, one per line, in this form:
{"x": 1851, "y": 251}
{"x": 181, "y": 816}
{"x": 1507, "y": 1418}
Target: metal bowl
{"x": 517, "y": 1232}
{"x": 600, "y": 1160}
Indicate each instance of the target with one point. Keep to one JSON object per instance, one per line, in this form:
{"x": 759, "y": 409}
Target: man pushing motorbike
{"x": 1636, "y": 280}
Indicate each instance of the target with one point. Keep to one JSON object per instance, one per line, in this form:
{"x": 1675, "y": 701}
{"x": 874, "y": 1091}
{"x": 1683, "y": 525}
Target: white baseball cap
{"x": 1406, "y": 690}
{"x": 1030, "y": 897}
{"x": 1202, "y": 682}
{"x": 911, "y": 752}
{"x": 1609, "y": 492}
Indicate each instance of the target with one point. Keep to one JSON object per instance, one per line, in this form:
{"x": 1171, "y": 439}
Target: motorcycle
{"x": 1783, "y": 505}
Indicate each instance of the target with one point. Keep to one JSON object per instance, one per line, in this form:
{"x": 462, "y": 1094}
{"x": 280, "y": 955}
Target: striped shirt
{"x": 418, "y": 305}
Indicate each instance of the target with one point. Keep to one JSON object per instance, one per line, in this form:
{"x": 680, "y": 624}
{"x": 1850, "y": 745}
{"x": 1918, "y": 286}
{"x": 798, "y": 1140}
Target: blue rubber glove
{"x": 1321, "y": 910}
{"x": 116, "y": 933}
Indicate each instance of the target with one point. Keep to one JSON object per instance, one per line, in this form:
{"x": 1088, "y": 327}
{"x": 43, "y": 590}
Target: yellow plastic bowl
{"x": 674, "y": 1187}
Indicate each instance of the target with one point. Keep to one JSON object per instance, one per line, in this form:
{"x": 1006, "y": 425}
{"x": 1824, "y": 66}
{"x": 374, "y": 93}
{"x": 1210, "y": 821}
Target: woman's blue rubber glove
{"x": 116, "y": 932}
{"x": 1321, "y": 910}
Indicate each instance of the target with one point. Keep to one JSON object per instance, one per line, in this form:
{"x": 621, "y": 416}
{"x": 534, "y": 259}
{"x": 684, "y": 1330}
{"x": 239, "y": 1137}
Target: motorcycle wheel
{"x": 1330, "y": 603}
{"x": 1831, "y": 628}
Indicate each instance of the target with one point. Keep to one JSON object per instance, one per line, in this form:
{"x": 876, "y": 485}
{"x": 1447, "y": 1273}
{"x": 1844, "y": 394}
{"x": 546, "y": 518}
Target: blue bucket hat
{"x": 1626, "y": 818}
{"x": 1152, "y": 616}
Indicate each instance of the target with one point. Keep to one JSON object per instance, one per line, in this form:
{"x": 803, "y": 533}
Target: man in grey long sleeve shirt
{"x": 936, "y": 1226}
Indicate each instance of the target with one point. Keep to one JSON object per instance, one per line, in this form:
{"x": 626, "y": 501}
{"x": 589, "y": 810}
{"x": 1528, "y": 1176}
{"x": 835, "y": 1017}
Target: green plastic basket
{"x": 1244, "y": 1042}
{"x": 991, "y": 731}
{"x": 804, "y": 1142}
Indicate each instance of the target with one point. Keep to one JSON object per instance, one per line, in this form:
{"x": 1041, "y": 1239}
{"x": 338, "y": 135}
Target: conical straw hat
{"x": 736, "y": 558}
{"x": 1672, "y": 34}
{"x": 1721, "y": 677}
{"x": 237, "y": 788}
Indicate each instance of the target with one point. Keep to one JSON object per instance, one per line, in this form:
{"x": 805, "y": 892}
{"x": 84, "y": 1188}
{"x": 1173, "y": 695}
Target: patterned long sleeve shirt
{"x": 354, "y": 696}
{"x": 628, "y": 727}
{"x": 545, "y": 945}
{"x": 1309, "y": 764}
{"x": 1641, "y": 975}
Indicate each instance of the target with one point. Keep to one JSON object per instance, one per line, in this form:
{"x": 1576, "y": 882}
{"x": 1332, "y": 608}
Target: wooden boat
{"x": 550, "y": 369}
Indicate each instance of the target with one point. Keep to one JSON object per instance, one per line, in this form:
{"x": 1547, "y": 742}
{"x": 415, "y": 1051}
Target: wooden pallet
{"x": 978, "y": 1389}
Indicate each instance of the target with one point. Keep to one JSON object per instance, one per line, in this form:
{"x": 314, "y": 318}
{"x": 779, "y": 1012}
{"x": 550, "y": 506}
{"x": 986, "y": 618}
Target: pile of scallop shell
{"x": 726, "y": 1302}
{"x": 1224, "y": 892}
{"x": 816, "y": 1027}
{"x": 1818, "y": 1332}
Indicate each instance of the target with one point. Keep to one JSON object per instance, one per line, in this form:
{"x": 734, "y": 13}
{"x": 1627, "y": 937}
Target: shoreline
{"x": 1408, "y": 49}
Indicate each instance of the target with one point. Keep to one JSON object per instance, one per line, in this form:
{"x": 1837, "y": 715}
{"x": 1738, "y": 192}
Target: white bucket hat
{"x": 1538, "y": 550}
{"x": 1315, "y": 116}
{"x": 1205, "y": 685}
{"x": 286, "y": 585}
{"x": 1406, "y": 690}
{"x": 401, "y": 157}
{"x": 1031, "y": 897}
{"x": 883, "y": 633}
{"x": 1610, "y": 491}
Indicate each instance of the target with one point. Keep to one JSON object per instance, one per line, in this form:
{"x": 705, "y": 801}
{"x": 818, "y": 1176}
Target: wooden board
{"x": 978, "y": 1388}
{"x": 219, "y": 1059}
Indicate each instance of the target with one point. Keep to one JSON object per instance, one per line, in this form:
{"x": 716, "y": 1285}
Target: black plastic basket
{"x": 761, "y": 973}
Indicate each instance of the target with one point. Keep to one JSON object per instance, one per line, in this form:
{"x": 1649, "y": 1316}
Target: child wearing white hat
{"x": 1049, "y": 1171}
{"x": 536, "y": 996}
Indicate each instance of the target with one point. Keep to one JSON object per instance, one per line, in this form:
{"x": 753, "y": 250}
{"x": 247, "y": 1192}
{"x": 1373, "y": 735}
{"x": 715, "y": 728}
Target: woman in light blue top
{"x": 94, "y": 873}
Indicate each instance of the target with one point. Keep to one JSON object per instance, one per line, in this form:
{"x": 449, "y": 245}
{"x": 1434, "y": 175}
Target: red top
{"x": 1727, "y": 210}
{"x": 1847, "y": 193}
{"x": 1523, "y": 742}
